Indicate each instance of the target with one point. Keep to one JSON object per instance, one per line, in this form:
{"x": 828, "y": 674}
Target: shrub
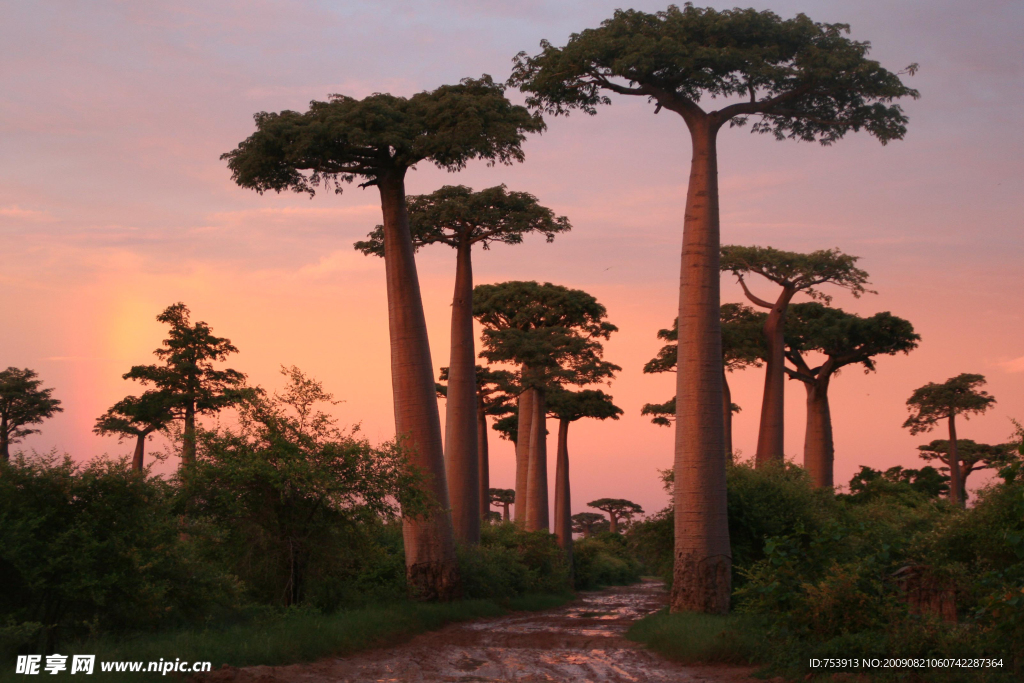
{"x": 604, "y": 560}
{"x": 510, "y": 562}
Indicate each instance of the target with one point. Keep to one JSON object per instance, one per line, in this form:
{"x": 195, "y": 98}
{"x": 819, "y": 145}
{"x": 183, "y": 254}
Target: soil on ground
{"x": 580, "y": 642}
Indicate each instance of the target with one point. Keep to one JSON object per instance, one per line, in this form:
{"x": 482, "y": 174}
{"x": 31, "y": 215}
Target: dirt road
{"x": 581, "y": 642}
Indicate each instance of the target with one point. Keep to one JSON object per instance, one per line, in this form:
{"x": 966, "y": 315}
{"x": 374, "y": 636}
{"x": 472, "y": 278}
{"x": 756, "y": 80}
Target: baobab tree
{"x": 22, "y": 403}
{"x": 187, "y": 378}
{"x": 460, "y": 218}
{"x": 137, "y": 416}
{"x": 742, "y": 346}
{"x": 378, "y": 139}
{"x": 567, "y": 407}
{"x": 972, "y": 457}
{"x": 845, "y": 339}
{"x": 617, "y": 509}
{"x": 960, "y": 395}
{"x": 588, "y": 523}
{"x": 793, "y": 272}
{"x": 801, "y": 80}
{"x": 553, "y": 334}
{"x": 504, "y": 498}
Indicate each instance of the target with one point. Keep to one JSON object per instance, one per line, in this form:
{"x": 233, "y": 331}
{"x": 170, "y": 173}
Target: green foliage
{"x": 846, "y": 338}
{"x": 381, "y": 135}
{"x": 651, "y": 541}
{"x": 796, "y": 271}
{"x": 617, "y": 508}
{"x": 695, "y": 638}
{"x": 911, "y": 487}
{"x": 589, "y": 523}
{"x": 137, "y": 415}
{"x": 22, "y": 403}
{"x": 960, "y": 395}
{"x": 510, "y": 562}
{"x": 575, "y": 405}
{"x": 604, "y": 560}
{"x": 804, "y": 80}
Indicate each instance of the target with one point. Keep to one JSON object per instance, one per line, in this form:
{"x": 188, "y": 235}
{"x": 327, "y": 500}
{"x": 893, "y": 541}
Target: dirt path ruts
{"x": 580, "y": 642}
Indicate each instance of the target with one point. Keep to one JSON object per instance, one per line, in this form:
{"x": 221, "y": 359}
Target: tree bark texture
{"x": 819, "y": 447}
{"x": 483, "y": 458}
{"x": 563, "y": 501}
{"x": 431, "y": 568}
{"x": 537, "y": 484}
{"x": 770, "y": 435}
{"x": 460, "y": 442}
{"x": 955, "y": 481}
{"x": 726, "y": 416}
{"x": 525, "y": 407}
{"x": 703, "y": 559}
{"x": 137, "y": 456}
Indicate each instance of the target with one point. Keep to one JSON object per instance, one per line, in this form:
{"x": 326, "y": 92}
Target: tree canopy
{"x": 22, "y": 403}
{"x": 960, "y": 395}
{"x": 796, "y": 271}
{"x": 617, "y": 508}
{"x": 574, "y": 405}
{"x": 846, "y": 338}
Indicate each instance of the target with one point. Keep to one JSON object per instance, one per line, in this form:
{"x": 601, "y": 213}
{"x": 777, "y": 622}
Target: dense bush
{"x": 510, "y": 562}
{"x": 604, "y": 560}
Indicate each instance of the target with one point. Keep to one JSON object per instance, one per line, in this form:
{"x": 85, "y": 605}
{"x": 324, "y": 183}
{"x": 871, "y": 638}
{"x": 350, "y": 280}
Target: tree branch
{"x": 755, "y": 300}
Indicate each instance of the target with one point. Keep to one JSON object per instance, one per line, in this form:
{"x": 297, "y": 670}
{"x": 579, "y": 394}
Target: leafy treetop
{"x": 973, "y": 456}
{"x": 23, "y": 403}
{"x": 620, "y": 507}
{"x": 502, "y": 496}
{"x": 137, "y": 415}
{"x": 795, "y": 271}
{"x": 344, "y": 138}
{"x": 455, "y": 215}
{"x": 960, "y": 395}
{"x": 574, "y": 405}
{"x": 803, "y": 80}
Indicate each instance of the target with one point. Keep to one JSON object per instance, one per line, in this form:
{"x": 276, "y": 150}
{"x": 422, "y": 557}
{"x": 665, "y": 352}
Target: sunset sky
{"x": 114, "y": 204}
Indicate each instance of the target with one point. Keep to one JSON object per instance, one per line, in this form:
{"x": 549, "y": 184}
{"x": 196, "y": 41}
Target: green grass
{"x": 292, "y": 637}
{"x": 694, "y": 638}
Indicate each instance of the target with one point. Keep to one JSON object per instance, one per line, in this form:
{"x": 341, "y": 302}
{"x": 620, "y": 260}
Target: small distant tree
{"x": 504, "y": 498}
{"x": 845, "y": 339}
{"x": 137, "y": 416}
{"x": 588, "y": 523}
{"x": 972, "y": 456}
{"x": 794, "y": 272}
{"x": 22, "y": 403}
{"x": 460, "y": 218}
{"x": 932, "y": 403}
{"x": 869, "y": 484}
{"x": 617, "y": 509}
{"x": 187, "y": 377}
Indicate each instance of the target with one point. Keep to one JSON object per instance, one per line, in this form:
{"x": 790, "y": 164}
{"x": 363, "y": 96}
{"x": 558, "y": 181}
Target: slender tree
{"x": 801, "y": 80}
{"x": 794, "y": 273}
{"x": 137, "y": 416}
{"x": 617, "y": 509}
{"x": 567, "y": 407}
{"x": 845, "y": 339}
{"x": 553, "y": 334}
{"x": 460, "y": 218}
{"x": 742, "y": 346}
{"x": 960, "y": 395}
{"x": 22, "y": 403}
{"x": 588, "y": 523}
{"x": 972, "y": 457}
{"x": 504, "y": 498}
{"x": 187, "y": 377}
{"x": 378, "y": 139}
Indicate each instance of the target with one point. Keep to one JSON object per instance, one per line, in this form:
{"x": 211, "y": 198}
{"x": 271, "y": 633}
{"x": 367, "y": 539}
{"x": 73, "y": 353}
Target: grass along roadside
{"x": 693, "y": 638}
{"x": 292, "y": 637}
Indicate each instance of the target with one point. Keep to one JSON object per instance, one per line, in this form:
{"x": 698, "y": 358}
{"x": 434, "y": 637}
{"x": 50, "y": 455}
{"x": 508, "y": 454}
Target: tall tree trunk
{"x": 726, "y": 416}
{"x": 613, "y": 523}
{"x": 482, "y": 449}
{"x": 460, "y": 443}
{"x": 955, "y": 481}
{"x": 563, "y": 501}
{"x": 188, "y": 435}
{"x": 770, "y": 442}
{"x": 431, "y": 568}
{"x": 703, "y": 558}
{"x": 819, "y": 449}
{"x": 5, "y": 440}
{"x": 525, "y": 407}
{"x": 537, "y": 486}
{"x": 140, "y": 447}
{"x": 504, "y": 516}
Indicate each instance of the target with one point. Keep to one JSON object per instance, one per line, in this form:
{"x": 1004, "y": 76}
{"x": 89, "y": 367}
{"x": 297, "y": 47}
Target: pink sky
{"x": 114, "y": 204}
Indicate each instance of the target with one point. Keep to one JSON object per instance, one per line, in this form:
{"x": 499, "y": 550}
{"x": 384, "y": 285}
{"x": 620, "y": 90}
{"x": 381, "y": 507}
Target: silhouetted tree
{"x": 617, "y": 509}
{"x": 972, "y": 457}
{"x": 960, "y": 395}
{"x": 794, "y": 272}
{"x": 588, "y": 523}
{"x": 504, "y": 498}
{"x": 460, "y": 218}
{"x": 869, "y": 484}
{"x": 804, "y": 81}
{"x": 137, "y": 416}
{"x": 187, "y": 378}
{"x": 378, "y": 139}
{"x": 845, "y": 339}
{"x": 22, "y": 403}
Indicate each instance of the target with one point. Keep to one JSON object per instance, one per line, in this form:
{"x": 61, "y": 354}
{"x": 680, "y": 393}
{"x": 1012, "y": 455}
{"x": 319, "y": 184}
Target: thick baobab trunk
{"x": 431, "y": 568}
{"x": 140, "y": 447}
{"x": 188, "y": 435}
{"x": 613, "y": 522}
{"x": 483, "y": 458}
{"x": 563, "y": 502}
{"x": 537, "y": 484}
{"x": 525, "y": 408}
{"x": 726, "y": 416}
{"x": 703, "y": 558}
{"x": 770, "y": 445}
{"x": 819, "y": 448}
{"x": 955, "y": 480}
{"x": 460, "y": 442}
